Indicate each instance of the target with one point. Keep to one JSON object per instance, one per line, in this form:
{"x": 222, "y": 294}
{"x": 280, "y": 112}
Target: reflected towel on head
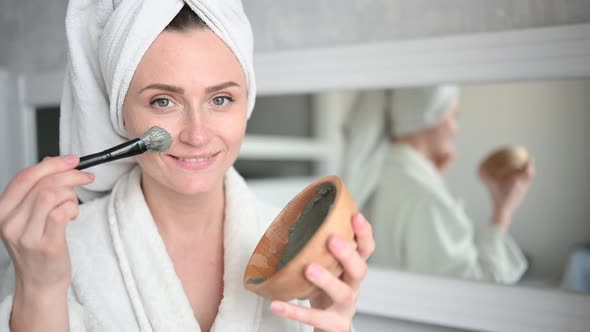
{"x": 415, "y": 109}
{"x": 106, "y": 41}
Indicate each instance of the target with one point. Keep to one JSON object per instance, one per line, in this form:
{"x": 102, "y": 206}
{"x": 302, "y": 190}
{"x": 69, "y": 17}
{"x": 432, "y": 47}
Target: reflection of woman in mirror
{"x": 418, "y": 225}
{"x": 162, "y": 241}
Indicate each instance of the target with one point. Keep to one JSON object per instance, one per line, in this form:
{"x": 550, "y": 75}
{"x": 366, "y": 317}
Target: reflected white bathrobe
{"x": 124, "y": 280}
{"x": 420, "y": 227}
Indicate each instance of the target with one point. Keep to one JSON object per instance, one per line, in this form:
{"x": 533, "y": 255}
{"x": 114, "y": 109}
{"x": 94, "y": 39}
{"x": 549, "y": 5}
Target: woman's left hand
{"x": 333, "y": 309}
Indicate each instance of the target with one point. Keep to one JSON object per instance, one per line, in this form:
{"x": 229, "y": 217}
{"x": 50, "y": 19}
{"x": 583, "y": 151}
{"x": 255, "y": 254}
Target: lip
{"x": 195, "y": 162}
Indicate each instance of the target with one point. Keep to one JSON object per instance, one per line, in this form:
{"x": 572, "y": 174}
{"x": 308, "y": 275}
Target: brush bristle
{"x": 156, "y": 139}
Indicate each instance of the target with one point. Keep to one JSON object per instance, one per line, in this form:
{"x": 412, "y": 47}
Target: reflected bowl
{"x": 505, "y": 162}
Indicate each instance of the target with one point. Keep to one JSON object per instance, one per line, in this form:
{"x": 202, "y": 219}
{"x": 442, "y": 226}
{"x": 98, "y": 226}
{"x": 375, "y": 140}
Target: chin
{"x": 188, "y": 182}
{"x": 198, "y": 184}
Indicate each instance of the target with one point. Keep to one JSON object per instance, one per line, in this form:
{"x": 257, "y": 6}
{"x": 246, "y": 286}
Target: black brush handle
{"x": 128, "y": 149}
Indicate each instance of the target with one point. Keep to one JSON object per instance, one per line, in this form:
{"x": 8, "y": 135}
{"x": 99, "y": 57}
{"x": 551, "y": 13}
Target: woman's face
{"x": 440, "y": 138}
{"x": 191, "y": 84}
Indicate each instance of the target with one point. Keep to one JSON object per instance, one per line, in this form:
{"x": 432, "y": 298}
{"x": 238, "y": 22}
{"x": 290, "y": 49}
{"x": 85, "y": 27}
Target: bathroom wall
{"x": 552, "y": 120}
{"x": 33, "y": 40}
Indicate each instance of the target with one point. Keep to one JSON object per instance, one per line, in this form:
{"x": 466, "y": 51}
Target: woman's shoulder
{"x": 265, "y": 211}
{"x": 241, "y": 197}
{"x": 400, "y": 185}
{"x": 93, "y": 209}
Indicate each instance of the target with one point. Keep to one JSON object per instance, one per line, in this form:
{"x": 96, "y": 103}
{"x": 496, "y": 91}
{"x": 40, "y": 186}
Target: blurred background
{"x": 295, "y": 137}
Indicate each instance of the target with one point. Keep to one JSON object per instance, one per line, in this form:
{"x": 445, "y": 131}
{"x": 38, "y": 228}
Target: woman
{"x": 166, "y": 249}
{"x": 419, "y": 226}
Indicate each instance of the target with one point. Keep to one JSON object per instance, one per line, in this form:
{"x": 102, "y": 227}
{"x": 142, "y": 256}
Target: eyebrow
{"x": 165, "y": 87}
{"x": 221, "y": 86}
{"x": 179, "y": 90}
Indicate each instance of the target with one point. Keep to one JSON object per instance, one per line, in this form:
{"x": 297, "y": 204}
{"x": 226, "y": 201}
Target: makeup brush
{"x": 154, "y": 139}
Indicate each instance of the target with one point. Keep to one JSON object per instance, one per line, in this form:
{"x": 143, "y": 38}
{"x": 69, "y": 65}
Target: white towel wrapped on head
{"x": 415, "y": 109}
{"x": 106, "y": 41}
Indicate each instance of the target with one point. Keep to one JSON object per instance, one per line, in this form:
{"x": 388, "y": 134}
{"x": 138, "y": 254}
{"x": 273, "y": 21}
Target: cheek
{"x": 442, "y": 139}
{"x": 134, "y": 124}
{"x": 235, "y": 133}
{"x": 448, "y": 131}
{"x": 138, "y": 121}
{"x": 234, "y": 125}
{"x": 454, "y": 128}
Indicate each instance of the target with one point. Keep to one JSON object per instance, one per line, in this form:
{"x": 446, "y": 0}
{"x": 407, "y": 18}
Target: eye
{"x": 221, "y": 100}
{"x": 162, "y": 103}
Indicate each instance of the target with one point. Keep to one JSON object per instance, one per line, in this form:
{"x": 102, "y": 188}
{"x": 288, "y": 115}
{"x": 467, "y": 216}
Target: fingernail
{"x": 312, "y": 272}
{"x": 358, "y": 221}
{"x": 277, "y": 307}
{"x": 91, "y": 176}
{"x": 71, "y": 159}
{"x": 337, "y": 244}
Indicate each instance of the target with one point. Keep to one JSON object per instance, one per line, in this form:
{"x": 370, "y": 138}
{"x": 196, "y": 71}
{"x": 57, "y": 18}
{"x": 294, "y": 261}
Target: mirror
{"x": 525, "y": 55}
{"x": 550, "y": 118}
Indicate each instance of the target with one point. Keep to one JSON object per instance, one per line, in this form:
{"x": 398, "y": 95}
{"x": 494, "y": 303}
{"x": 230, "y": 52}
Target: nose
{"x": 194, "y": 128}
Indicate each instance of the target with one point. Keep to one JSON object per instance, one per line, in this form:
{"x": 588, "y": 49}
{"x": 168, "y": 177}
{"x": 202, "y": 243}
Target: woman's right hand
{"x": 507, "y": 194}
{"x": 34, "y": 210}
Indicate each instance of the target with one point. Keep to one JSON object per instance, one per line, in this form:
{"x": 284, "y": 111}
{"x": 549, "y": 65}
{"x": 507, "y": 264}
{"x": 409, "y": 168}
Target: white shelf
{"x": 282, "y": 148}
{"x": 471, "y": 305}
{"x": 279, "y": 191}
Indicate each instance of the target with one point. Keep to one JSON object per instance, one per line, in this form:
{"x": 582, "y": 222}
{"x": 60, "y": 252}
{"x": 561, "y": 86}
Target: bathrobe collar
{"x": 156, "y": 292}
{"x": 413, "y": 162}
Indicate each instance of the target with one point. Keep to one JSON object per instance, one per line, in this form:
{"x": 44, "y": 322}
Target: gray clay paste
{"x": 308, "y": 222}
{"x": 305, "y": 226}
{"x": 256, "y": 281}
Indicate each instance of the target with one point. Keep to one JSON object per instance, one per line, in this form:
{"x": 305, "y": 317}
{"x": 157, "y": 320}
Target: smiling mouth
{"x": 195, "y": 159}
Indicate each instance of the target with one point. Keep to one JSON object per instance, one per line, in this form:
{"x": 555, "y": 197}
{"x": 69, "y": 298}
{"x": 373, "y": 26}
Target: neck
{"x": 185, "y": 216}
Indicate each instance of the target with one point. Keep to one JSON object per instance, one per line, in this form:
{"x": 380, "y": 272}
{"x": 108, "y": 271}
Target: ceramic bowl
{"x": 505, "y": 162}
{"x": 297, "y": 237}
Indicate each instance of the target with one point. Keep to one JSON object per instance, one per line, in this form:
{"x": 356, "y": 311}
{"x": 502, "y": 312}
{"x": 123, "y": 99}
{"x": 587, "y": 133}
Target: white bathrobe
{"x": 420, "y": 227}
{"x": 124, "y": 280}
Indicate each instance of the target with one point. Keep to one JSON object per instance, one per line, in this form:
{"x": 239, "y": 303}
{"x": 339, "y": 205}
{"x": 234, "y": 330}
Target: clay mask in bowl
{"x": 297, "y": 237}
